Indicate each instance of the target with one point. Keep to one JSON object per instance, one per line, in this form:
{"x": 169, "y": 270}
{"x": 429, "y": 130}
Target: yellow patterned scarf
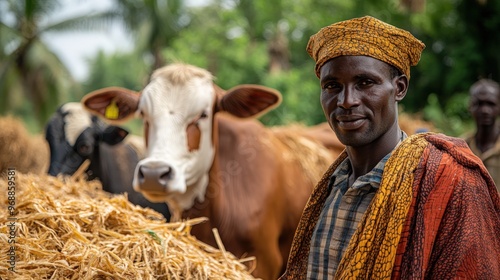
{"x": 372, "y": 249}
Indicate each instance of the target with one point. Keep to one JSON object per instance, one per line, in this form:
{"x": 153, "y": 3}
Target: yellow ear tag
{"x": 112, "y": 111}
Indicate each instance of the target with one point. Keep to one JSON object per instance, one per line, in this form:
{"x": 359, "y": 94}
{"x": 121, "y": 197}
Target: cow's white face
{"x": 177, "y": 108}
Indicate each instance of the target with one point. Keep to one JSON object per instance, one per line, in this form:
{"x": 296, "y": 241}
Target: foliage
{"x": 453, "y": 118}
{"x": 154, "y": 23}
{"x": 128, "y": 70}
{"x": 462, "y": 39}
{"x": 242, "y": 41}
{"x": 29, "y": 70}
{"x": 300, "y": 99}
{"x": 232, "y": 39}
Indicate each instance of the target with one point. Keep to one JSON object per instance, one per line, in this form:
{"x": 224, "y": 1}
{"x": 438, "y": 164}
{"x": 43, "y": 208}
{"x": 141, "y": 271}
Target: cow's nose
{"x": 154, "y": 178}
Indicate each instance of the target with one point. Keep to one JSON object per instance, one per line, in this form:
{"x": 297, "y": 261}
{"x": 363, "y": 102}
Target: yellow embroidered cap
{"x": 366, "y": 36}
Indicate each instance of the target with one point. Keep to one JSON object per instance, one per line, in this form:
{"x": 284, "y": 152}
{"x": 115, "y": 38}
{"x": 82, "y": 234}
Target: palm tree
{"x": 32, "y": 78}
{"x": 155, "y": 23}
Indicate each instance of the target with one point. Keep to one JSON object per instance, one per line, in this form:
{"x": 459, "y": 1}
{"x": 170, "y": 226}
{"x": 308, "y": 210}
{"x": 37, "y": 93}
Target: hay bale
{"x": 303, "y": 148}
{"x": 21, "y": 150}
{"x": 412, "y": 124}
{"x": 71, "y": 229}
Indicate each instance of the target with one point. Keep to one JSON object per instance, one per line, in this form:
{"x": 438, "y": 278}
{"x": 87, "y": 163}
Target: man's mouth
{"x": 350, "y": 122}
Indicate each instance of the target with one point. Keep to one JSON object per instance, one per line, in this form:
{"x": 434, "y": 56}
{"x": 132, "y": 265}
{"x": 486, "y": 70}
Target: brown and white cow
{"x": 208, "y": 156}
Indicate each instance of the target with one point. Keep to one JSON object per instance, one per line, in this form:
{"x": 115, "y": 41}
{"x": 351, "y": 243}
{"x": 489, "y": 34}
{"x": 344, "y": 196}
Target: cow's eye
{"x": 203, "y": 115}
{"x": 84, "y": 149}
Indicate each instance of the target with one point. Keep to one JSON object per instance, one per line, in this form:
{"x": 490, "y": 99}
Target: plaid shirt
{"x": 339, "y": 218}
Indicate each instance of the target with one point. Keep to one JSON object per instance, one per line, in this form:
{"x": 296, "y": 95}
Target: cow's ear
{"x": 115, "y": 104}
{"x": 113, "y": 135}
{"x": 245, "y": 101}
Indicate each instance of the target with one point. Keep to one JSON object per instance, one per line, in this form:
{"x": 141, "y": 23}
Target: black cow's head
{"x": 74, "y": 135}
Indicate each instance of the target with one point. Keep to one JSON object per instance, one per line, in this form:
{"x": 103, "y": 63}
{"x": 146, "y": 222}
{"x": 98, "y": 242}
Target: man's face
{"x": 359, "y": 98}
{"x": 485, "y": 105}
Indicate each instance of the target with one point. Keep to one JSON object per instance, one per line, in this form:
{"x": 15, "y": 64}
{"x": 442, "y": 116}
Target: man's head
{"x": 364, "y": 66}
{"x": 484, "y": 103}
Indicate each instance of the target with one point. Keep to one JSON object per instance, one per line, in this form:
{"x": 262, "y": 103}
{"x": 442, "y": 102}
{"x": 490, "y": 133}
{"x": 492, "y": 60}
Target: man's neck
{"x": 364, "y": 159}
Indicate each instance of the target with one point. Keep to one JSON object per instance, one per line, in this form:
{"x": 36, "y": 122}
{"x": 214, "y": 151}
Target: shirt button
{"x": 348, "y": 200}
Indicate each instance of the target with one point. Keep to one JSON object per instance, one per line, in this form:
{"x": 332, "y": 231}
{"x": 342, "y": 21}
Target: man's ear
{"x": 115, "y": 104}
{"x": 402, "y": 84}
{"x": 113, "y": 135}
{"x": 245, "y": 101}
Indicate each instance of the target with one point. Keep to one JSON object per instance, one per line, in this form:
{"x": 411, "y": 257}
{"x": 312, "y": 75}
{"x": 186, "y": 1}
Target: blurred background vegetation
{"x": 246, "y": 41}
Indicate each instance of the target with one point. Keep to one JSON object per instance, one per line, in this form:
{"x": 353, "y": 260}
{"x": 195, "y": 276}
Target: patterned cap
{"x": 366, "y": 36}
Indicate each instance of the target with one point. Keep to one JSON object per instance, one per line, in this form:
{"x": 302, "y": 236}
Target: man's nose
{"x": 347, "y": 98}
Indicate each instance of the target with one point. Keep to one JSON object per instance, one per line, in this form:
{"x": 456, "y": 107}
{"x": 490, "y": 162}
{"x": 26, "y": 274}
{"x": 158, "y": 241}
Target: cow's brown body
{"x": 255, "y": 195}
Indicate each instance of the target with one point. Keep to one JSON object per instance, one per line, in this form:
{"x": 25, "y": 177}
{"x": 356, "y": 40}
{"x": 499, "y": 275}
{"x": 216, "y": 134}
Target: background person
{"x": 484, "y": 106}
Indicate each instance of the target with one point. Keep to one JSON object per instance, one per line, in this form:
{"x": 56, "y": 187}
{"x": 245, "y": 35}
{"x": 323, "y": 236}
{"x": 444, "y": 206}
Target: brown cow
{"x": 207, "y": 157}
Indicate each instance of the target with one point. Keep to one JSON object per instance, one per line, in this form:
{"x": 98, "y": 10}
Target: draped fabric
{"x": 451, "y": 224}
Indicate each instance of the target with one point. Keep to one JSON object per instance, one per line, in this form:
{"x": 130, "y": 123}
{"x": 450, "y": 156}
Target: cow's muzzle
{"x": 155, "y": 177}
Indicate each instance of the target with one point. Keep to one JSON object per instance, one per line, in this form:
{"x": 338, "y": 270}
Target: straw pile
{"x": 412, "y": 124}
{"x": 71, "y": 229}
{"x": 313, "y": 157}
{"x": 18, "y": 148}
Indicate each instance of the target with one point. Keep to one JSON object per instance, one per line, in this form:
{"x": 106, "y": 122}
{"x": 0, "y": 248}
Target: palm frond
{"x": 92, "y": 22}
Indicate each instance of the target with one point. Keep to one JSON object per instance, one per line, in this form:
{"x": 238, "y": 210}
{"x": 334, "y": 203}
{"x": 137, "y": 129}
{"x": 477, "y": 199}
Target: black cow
{"x": 75, "y": 135}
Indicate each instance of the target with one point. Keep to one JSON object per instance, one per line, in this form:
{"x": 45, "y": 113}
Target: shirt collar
{"x": 372, "y": 178}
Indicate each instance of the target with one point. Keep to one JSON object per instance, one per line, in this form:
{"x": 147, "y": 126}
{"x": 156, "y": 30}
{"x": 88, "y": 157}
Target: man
{"x": 484, "y": 106}
{"x": 391, "y": 206}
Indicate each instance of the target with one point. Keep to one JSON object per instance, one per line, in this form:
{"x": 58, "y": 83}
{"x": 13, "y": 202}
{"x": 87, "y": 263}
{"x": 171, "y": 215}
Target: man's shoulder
{"x": 439, "y": 142}
{"x": 433, "y": 138}
{"x": 456, "y": 148}
{"x": 445, "y": 141}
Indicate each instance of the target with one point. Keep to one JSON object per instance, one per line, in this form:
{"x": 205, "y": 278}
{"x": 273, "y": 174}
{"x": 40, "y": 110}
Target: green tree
{"x": 264, "y": 42}
{"x": 127, "y": 70}
{"x": 462, "y": 39}
{"x": 32, "y": 78}
{"x": 154, "y": 24}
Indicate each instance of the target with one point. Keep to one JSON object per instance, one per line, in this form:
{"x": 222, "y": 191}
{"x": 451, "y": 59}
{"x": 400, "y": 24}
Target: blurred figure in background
{"x": 484, "y": 106}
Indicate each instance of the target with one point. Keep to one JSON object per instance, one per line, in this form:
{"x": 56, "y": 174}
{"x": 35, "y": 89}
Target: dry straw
{"x": 71, "y": 229}
{"x": 18, "y": 148}
{"x": 309, "y": 153}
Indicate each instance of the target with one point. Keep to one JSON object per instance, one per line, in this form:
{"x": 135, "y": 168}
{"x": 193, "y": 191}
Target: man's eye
{"x": 331, "y": 86}
{"x": 366, "y": 82}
